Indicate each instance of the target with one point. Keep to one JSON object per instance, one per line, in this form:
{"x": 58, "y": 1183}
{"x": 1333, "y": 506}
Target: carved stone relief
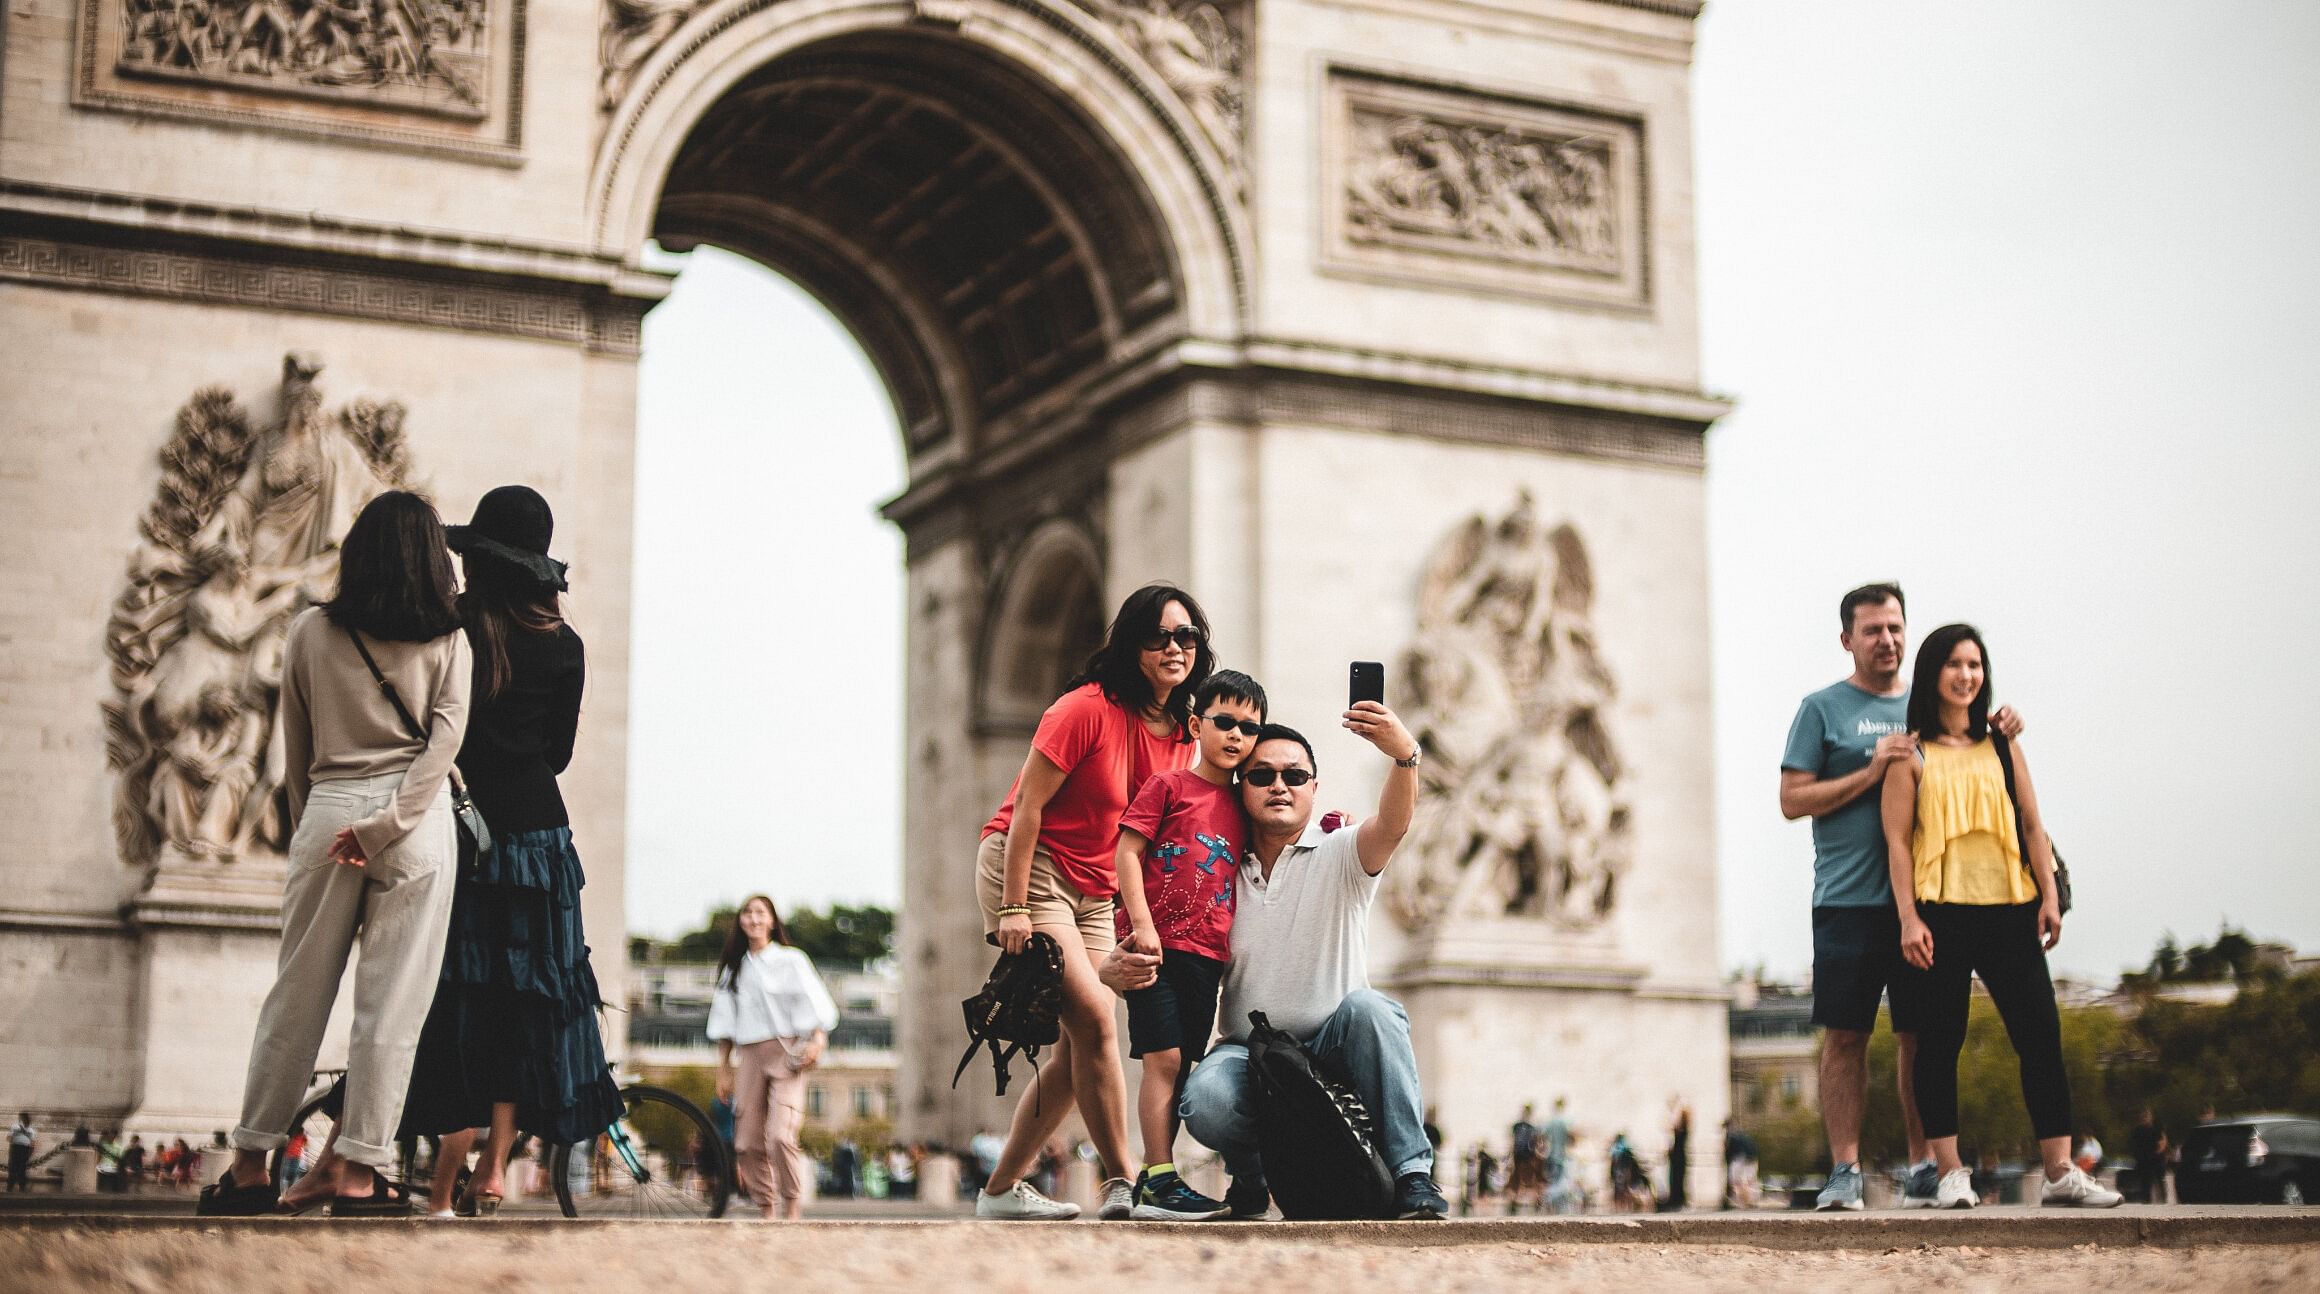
{"x": 443, "y": 75}
{"x": 632, "y": 30}
{"x": 1525, "y": 811}
{"x": 431, "y": 54}
{"x": 242, "y": 534}
{"x": 1198, "y": 48}
{"x": 1512, "y": 194}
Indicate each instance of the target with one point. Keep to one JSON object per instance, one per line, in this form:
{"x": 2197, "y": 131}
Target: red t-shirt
{"x": 1197, "y": 837}
{"x": 1105, "y": 754}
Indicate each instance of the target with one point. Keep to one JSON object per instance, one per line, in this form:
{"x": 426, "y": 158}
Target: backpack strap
{"x": 2005, "y": 751}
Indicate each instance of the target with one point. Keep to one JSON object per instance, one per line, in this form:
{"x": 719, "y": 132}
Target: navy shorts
{"x": 1856, "y": 961}
{"x": 1178, "y": 1009}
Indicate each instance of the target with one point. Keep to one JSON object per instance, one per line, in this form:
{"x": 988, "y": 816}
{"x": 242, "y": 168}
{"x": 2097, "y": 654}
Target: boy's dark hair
{"x": 1116, "y": 666}
{"x": 394, "y": 573}
{"x": 1283, "y": 732}
{"x": 1869, "y": 595}
{"x": 1925, "y": 684}
{"x": 1230, "y": 685}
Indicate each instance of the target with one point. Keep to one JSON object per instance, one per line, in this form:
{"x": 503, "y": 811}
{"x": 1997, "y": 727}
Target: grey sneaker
{"x": 1921, "y": 1189}
{"x": 2077, "y": 1190}
{"x": 1843, "y": 1190}
{"x": 1119, "y": 1199}
{"x": 1023, "y": 1204}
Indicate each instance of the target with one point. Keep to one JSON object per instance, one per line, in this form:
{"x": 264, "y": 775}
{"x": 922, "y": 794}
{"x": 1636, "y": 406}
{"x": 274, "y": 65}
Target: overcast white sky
{"x": 2021, "y": 302}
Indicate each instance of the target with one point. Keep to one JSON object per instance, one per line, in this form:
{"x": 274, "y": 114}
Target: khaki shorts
{"x": 1052, "y": 900}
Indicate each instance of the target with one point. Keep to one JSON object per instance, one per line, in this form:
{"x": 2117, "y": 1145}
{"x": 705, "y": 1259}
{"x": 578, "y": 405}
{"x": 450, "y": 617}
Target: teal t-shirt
{"x": 1835, "y": 732}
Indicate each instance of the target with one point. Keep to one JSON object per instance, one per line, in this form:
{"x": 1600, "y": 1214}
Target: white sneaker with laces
{"x": 1119, "y": 1199}
{"x": 1956, "y": 1190}
{"x": 2077, "y": 1190}
{"x": 1023, "y": 1204}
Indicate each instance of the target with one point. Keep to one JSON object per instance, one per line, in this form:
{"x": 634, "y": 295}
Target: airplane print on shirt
{"x": 1168, "y": 854}
{"x": 1220, "y": 850}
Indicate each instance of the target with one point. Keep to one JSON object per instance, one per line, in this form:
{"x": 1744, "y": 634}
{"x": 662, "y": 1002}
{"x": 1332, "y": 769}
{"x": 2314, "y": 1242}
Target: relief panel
{"x": 1460, "y": 186}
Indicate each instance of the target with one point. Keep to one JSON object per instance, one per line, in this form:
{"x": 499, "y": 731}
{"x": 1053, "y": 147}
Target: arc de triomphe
{"x": 1372, "y": 321}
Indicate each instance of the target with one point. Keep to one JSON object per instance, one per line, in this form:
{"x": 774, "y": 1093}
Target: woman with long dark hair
{"x": 512, "y": 1038}
{"x": 1973, "y": 881}
{"x": 373, "y": 851}
{"x": 1045, "y": 864}
{"x": 772, "y": 1015}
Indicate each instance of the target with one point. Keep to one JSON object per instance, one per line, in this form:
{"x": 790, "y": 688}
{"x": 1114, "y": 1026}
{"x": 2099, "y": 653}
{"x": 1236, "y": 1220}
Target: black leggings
{"x": 2001, "y": 944}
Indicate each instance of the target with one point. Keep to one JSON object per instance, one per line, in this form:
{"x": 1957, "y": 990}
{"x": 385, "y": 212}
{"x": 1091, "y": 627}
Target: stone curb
{"x": 1985, "y": 1228}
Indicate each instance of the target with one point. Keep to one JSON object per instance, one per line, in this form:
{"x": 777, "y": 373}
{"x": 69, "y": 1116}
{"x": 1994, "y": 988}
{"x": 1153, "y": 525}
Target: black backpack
{"x": 1021, "y": 1005}
{"x": 1317, "y": 1138}
{"x": 2062, "y": 895}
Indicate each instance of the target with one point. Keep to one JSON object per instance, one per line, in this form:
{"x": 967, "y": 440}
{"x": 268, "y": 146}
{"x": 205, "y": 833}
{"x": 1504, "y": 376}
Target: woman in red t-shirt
{"x": 1046, "y": 864}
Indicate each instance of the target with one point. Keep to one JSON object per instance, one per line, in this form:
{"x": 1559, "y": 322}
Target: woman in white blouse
{"x": 772, "y": 1015}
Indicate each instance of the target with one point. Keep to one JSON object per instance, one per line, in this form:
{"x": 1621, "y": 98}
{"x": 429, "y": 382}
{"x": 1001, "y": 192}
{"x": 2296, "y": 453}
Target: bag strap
{"x": 395, "y": 699}
{"x": 2021, "y": 834}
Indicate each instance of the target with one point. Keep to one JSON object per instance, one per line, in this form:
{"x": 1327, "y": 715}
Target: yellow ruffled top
{"x": 1965, "y": 846}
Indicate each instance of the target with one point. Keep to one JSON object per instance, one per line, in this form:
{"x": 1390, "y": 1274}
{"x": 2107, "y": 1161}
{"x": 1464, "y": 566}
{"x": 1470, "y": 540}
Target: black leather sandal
{"x": 386, "y": 1200}
{"x": 226, "y": 1198}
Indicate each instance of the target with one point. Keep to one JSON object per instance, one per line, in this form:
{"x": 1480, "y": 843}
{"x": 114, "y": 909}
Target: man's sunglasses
{"x": 1265, "y": 776}
{"x": 1185, "y": 637}
{"x": 1223, "y": 722}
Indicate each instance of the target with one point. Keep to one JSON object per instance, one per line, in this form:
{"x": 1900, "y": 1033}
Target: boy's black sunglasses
{"x": 1223, "y": 722}
{"x": 1265, "y": 776}
{"x": 1185, "y": 637}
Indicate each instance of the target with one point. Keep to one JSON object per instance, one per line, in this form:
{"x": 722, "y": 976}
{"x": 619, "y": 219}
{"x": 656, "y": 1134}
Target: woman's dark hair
{"x": 737, "y": 943}
{"x": 394, "y": 573}
{"x": 499, "y": 602}
{"x": 1925, "y": 683}
{"x": 1117, "y": 665}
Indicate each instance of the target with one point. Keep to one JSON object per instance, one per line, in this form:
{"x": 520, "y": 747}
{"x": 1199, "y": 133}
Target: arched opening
{"x": 1047, "y": 617}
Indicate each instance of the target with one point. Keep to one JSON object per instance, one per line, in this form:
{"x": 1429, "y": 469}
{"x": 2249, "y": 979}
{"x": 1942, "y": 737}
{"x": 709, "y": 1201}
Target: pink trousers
{"x": 769, "y": 1107}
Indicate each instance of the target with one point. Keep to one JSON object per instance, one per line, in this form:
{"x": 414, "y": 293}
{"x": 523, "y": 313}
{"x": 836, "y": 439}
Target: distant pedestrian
{"x": 1739, "y": 1168}
{"x": 374, "y": 705}
{"x": 2147, "y": 1143}
{"x": 1679, "y": 1162}
{"x": 1555, "y": 1144}
{"x": 21, "y": 1140}
{"x": 1630, "y": 1186}
{"x": 1971, "y": 903}
{"x": 770, "y": 1018}
{"x": 1525, "y": 1163}
{"x": 2089, "y": 1156}
{"x": 133, "y": 1163}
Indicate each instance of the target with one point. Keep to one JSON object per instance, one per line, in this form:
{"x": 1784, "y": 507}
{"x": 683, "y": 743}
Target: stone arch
{"x": 1086, "y": 91}
{"x": 1046, "y": 614}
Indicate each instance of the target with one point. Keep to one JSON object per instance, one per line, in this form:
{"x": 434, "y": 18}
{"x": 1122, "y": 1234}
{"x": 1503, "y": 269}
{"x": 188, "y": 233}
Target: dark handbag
{"x": 1316, "y": 1137}
{"x": 474, "y": 833}
{"x": 2022, "y": 836}
{"x": 1021, "y": 1005}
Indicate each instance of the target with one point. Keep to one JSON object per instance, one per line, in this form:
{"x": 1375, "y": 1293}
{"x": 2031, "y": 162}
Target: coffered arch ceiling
{"x": 986, "y": 246}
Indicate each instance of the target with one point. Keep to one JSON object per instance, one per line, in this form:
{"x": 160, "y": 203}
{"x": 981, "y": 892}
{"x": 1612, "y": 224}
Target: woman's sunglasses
{"x": 1223, "y": 722}
{"x": 1185, "y": 637}
{"x": 1265, "y": 776}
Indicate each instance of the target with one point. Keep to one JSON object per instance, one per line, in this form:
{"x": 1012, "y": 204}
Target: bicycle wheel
{"x": 661, "y": 1160}
{"x": 315, "y": 1118}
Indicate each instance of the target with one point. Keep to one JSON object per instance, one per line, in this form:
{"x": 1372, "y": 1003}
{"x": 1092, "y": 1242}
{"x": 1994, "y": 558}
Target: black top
{"x": 519, "y": 740}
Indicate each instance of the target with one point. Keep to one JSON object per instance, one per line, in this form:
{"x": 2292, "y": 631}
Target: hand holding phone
{"x": 1365, "y": 681}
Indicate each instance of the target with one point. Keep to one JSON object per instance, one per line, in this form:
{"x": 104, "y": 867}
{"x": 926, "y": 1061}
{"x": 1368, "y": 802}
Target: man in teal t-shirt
{"x": 1844, "y": 738}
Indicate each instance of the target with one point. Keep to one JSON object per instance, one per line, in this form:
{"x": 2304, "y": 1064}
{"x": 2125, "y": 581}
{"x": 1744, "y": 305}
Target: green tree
{"x": 1991, "y": 1116}
{"x": 843, "y": 934}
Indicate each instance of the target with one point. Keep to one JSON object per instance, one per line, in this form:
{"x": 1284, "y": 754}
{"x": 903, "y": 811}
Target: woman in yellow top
{"x": 1970, "y": 903}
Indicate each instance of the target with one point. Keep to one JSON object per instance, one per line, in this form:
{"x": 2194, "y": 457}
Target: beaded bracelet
{"x": 1015, "y": 910}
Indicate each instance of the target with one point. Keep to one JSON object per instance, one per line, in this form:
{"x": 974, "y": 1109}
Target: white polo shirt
{"x": 1300, "y": 941}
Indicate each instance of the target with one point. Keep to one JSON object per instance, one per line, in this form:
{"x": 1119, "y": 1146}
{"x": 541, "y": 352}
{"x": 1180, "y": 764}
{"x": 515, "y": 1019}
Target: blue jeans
{"x": 1367, "y": 1039}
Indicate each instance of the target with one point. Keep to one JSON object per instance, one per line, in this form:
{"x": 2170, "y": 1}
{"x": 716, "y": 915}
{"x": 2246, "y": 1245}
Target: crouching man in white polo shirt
{"x": 1300, "y": 954}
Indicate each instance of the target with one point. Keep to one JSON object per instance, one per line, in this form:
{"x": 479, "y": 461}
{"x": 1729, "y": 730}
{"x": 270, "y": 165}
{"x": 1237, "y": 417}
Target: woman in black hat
{"x": 512, "y": 1039}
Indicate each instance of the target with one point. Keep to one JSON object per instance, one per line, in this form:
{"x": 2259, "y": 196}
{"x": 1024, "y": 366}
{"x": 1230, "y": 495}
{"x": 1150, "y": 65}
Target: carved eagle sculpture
{"x": 242, "y": 534}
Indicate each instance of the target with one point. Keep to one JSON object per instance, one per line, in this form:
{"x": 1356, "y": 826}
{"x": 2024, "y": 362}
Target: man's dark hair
{"x": 1869, "y": 595}
{"x": 1117, "y": 665}
{"x": 1283, "y": 732}
{"x": 1925, "y": 684}
{"x": 1230, "y": 685}
{"x": 394, "y": 573}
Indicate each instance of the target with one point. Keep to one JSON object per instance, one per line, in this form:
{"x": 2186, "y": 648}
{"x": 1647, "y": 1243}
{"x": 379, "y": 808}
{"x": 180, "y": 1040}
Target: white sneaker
{"x": 1119, "y": 1195}
{"x": 2076, "y": 1190}
{"x": 1023, "y": 1204}
{"x": 1956, "y": 1190}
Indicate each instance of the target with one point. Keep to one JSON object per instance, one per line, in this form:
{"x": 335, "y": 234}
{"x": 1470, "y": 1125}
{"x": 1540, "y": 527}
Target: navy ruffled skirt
{"x": 514, "y": 1017}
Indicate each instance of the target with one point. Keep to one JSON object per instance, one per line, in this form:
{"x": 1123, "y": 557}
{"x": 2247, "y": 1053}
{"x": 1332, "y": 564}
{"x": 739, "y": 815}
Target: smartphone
{"x": 1366, "y": 681}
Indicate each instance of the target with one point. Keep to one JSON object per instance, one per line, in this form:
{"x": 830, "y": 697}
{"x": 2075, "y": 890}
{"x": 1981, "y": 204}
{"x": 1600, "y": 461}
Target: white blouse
{"x": 777, "y": 994}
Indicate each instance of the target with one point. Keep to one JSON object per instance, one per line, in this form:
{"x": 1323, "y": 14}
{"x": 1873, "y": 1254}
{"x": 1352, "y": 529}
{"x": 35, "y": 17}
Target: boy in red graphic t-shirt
{"x": 1179, "y": 861}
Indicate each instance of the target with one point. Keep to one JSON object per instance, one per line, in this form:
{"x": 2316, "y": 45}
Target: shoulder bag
{"x": 2022, "y": 835}
{"x": 474, "y": 834}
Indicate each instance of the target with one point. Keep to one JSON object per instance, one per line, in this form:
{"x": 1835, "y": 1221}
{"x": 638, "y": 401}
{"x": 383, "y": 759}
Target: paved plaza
{"x": 2178, "y": 1248}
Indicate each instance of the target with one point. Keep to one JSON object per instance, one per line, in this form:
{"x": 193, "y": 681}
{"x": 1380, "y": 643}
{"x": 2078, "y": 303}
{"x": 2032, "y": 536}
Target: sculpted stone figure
{"x": 422, "y": 52}
{"x": 1197, "y": 48}
{"x": 632, "y": 30}
{"x": 1515, "y": 190}
{"x": 244, "y": 533}
{"x": 1525, "y": 814}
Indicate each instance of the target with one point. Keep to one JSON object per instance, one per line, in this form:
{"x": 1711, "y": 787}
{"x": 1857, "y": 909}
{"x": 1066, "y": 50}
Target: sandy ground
{"x": 387, "y": 1258}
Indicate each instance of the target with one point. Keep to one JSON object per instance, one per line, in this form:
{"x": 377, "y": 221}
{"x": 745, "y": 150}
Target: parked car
{"x": 2253, "y": 1159}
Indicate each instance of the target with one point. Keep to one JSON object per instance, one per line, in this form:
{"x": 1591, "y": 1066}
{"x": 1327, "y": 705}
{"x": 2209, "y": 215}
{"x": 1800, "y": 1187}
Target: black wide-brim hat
{"x": 512, "y": 526}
